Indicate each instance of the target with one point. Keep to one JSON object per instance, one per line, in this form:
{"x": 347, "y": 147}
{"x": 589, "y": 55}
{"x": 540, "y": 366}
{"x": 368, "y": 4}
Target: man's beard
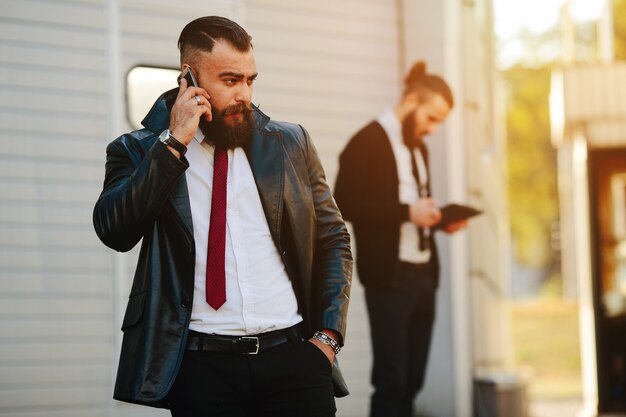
{"x": 409, "y": 129}
{"x": 225, "y": 136}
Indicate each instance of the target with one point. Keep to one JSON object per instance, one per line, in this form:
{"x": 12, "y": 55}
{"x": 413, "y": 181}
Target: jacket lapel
{"x": 265, "y": 155}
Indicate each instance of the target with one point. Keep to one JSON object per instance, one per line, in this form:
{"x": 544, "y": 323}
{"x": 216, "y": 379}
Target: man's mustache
{"x": 245, "y": 109}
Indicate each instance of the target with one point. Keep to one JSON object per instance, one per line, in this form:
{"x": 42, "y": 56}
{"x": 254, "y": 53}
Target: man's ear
{"x": 410, "y": 102}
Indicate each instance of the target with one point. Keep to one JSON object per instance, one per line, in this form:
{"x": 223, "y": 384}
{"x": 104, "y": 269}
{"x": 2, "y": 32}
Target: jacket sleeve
{"x": 355, "y": 187}
{"x": 333, "y": 257}
{"x": 136, "y": 186}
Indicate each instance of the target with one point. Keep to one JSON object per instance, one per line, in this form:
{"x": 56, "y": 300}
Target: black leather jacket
{"x": 145, "y": 197}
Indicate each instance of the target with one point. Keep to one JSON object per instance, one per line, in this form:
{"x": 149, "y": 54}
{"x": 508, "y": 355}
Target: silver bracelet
{"x": 327, "y": 340}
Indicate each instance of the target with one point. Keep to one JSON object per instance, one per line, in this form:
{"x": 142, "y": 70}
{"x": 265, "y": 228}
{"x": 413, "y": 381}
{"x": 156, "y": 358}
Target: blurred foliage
{"x": 533, "y": 193}
{"x": 619, "y": 27}
{"x": 533, "y": 197}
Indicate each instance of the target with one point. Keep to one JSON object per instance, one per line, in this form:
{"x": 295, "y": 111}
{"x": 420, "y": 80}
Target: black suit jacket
{"x": 145, "y": 198}
{"x": 367, "y": 195}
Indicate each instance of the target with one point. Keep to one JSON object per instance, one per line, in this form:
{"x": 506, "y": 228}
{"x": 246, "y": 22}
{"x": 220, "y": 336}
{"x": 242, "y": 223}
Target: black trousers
{"x": 401, "y": 322}
{"x": 290, "y": 380}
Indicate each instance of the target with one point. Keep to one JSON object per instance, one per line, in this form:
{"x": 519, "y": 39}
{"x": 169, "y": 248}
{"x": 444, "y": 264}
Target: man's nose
{"x": 244, "y": 93}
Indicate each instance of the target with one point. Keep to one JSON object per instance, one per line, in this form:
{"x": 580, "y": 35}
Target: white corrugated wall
{"x": 55, "y": 278}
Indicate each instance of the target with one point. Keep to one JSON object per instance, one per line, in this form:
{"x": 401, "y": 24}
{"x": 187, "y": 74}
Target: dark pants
{"x": 401, "y": 322}
{"x": 290, "y": 380}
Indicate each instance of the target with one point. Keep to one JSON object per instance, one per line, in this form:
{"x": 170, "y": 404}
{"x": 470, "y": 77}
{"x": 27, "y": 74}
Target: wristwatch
{"x": 327, "y": 340}
{"x": 169, "y": 140}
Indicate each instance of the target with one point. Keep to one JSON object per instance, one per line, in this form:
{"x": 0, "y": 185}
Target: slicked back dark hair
{"x": 202, "y": 33}
{"x": 418, "y": 79}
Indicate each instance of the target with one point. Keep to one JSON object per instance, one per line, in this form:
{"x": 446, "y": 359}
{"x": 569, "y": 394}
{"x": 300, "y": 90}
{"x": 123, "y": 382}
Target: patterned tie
{"x": 215, "y": 269}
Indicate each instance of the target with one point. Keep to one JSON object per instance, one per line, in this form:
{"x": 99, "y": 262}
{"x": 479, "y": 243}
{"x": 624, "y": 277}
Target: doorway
{"x": 607, "y": 176}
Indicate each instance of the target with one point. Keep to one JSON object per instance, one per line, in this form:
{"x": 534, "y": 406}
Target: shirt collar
{"x": 390, "y": 123}
{"x": 199, "y": 136}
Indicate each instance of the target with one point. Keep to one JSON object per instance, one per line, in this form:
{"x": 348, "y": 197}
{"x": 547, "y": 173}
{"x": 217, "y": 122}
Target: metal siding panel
{"x": 48, "y": 56}
{"x": 45, "y": 192}
{"x": 38, "y": 215}
{"x": 67, "y": 13}
{"x": 617, "y": 89}
{"x": 54, "y": 397}
{"x": 49, "y": 260}
{"x": 62, "y": 37}
{"x": 39, "y": 101}
{"x": 53, "y": 98}
{"x": 46, "y": 352}
{"x": 48, "y": 375}
{"x": 86, "y": 173}
{"x": 76, "y": 331}
{"x": 60, "y": 82}
{"x": 595, "y": 92}
{"x": 90, "y": 411}
{"x": 59, "y": 283}
{"x": 56, "y": 308}
{"x": 61, "y": 148}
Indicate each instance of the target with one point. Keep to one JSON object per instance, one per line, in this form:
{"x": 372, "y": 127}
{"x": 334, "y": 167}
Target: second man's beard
{"x": 409, "y": 129}
{"x": 222, "y": 135}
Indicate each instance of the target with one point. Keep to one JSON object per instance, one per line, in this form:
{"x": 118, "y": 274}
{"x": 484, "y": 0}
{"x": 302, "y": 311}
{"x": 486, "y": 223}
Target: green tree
{"x": 532, "y": 169}
{"x": 619, "y": 27}
{"x": 533, "y": 197}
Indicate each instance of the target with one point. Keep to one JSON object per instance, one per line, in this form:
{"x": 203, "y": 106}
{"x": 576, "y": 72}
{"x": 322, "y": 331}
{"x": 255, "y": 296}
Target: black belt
{"x": 423, "y": 267}
{"x": 245, "y": 345}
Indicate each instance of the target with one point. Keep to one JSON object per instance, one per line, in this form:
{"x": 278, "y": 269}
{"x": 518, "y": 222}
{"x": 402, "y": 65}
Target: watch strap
{"x": 171, "y": 141}
{"x": 327, "y": 340}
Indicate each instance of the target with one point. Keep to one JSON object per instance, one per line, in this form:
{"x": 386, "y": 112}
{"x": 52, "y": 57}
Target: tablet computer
{"x": 451, "y": 213}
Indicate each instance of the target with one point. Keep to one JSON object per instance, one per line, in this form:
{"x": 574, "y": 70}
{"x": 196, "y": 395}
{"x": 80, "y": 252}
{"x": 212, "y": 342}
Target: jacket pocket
{"x": 134, "y": 310}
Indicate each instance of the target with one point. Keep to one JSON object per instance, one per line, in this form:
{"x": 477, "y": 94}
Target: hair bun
{"x": 418, "y": 71}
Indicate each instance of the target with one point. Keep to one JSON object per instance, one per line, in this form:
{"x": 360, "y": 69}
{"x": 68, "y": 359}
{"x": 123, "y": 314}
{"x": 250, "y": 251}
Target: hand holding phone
{"x": 188, "y": 75}
{"x": 192, "y": 104}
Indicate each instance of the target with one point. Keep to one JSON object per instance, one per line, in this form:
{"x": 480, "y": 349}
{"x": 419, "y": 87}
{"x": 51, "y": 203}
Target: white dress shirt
{"x": 259, "y": 294}
{"x": 408, "y": 250}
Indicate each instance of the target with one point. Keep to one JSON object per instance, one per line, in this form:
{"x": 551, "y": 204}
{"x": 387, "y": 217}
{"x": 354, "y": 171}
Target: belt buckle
{"x": 253, "y": 338}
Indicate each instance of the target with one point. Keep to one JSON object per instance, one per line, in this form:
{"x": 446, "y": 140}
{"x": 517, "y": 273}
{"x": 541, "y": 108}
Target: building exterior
{"x": 63, "y": 97}
{"x": 589, "y": 130}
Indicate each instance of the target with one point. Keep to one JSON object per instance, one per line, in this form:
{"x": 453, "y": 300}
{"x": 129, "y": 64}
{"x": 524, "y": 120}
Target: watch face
{"x": 166, "y": 138}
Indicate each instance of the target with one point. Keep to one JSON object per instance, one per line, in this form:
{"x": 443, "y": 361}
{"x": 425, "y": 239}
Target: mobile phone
{"x": 188, "y": 75}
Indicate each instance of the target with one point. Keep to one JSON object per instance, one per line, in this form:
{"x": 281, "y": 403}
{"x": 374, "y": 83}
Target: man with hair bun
{"x": 383, "y": 189}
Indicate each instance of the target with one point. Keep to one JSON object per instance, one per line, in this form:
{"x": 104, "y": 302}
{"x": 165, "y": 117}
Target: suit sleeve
{"x": 356, "y": 186}
{"x": 135, "y": 189}
{"x": 333, "y": 256}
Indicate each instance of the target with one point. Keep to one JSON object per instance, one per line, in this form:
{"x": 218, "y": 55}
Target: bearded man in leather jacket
{"x": 239, "y": 300}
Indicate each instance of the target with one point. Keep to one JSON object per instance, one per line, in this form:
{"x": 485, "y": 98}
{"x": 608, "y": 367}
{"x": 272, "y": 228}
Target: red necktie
{"x": 215, "y": 270}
